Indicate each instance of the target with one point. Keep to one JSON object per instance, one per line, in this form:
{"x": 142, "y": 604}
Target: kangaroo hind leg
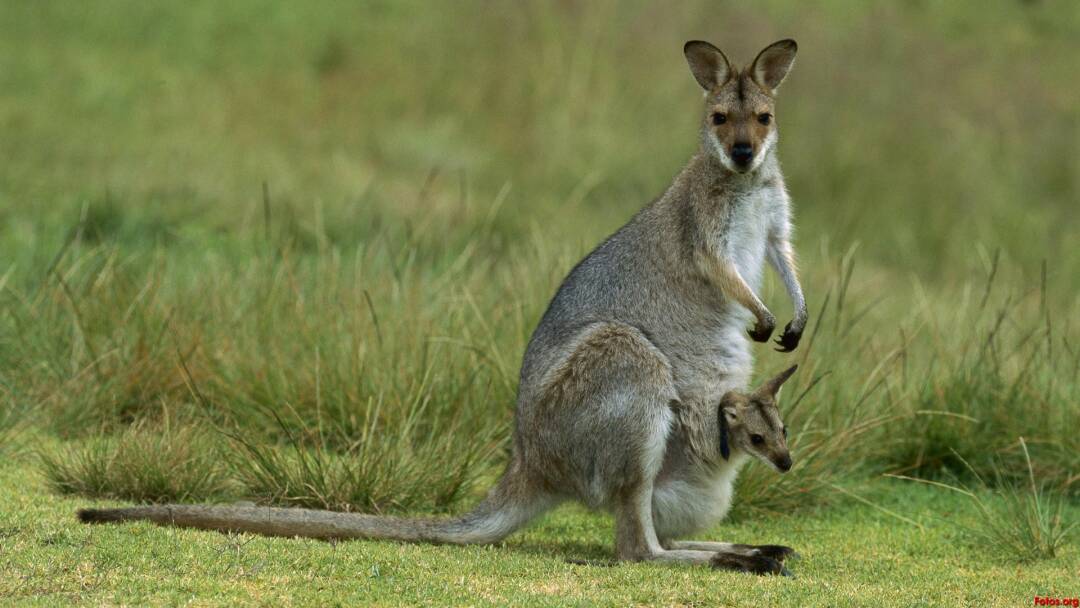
{"x": 613, "y": 395}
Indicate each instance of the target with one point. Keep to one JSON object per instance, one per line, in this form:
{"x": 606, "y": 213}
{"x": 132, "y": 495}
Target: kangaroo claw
{"x": 789, "y": 340}
{"x": 761, "y": 331}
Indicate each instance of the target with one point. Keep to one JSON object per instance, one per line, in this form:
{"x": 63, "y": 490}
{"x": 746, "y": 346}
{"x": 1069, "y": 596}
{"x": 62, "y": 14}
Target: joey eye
{"x": 757, "y": 439}
{"x": 719, "y": 118}
{"x": 764, "y": 118}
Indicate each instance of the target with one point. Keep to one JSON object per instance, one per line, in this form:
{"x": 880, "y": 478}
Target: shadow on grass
{"x": 563, "y": 550}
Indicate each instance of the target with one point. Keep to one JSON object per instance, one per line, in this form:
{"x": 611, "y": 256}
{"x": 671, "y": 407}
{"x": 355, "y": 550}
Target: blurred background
{"x": 326, "y": 231}
{"x": 923, "y": 130}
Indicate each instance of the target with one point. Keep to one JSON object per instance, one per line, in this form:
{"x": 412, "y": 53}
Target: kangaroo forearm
{"x": 725, "y": 276}
{"x": 783, "y": 260}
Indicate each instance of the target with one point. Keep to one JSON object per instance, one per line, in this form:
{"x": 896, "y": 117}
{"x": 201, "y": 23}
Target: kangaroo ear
{"x": 772, "y": 387}
{"x": 708, "y": 65}
{"x": 772, "y": 64}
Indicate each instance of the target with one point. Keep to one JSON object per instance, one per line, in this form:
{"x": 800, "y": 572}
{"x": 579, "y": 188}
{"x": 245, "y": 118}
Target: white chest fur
{"x": 749, "y": 223}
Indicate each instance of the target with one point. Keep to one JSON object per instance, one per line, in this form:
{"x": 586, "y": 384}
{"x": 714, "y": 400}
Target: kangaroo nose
{"x": 742, "y": 153}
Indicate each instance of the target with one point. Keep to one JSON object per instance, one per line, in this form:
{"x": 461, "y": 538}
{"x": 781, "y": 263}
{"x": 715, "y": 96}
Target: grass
{"x": 11, "y": 425}
{"x": 370, "y": 476}
{"x": 851, "y": 555}
{"x": 1020, "y": 522}
{"x": 295, "y": 255}
{"x": 142, "y": 463}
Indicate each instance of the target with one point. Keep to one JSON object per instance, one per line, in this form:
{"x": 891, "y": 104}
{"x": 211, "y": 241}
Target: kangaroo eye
{"x": 757, "y": 439}
{"x": 719, "y": 118}
{"x": 764, "y": 118}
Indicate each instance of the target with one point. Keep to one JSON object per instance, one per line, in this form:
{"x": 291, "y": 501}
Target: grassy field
{"x": 852, "y": 555}
{"x": 293, "y": 254}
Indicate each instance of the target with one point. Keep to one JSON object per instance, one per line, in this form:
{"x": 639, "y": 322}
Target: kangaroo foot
{"x": 777, "y": 552}
{"x": 751, "y": 564}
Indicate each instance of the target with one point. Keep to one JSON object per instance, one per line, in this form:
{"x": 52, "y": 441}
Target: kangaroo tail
{"x": 507, "y": 507}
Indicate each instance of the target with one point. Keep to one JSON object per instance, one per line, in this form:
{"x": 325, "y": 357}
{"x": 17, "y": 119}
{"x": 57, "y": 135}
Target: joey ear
{"x": 773, "y": 63}
{"x": 725, "y": 430}
{"x": 708, "y": 65}
{"x": 725, "y": 447}
{"x": 772, "y": 387}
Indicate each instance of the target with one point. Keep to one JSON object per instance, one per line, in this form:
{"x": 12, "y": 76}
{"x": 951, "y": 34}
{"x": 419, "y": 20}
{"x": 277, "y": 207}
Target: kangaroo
{"x": 631, "y": 395}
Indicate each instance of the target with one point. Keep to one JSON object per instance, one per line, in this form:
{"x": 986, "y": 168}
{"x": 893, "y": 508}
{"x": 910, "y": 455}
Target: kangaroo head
{"x": 751, "y": 423}
{"x": 740, "y": 125}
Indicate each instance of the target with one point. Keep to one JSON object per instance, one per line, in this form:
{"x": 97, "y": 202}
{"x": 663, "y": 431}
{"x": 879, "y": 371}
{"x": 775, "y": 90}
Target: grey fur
{"x": 631, "y": 391}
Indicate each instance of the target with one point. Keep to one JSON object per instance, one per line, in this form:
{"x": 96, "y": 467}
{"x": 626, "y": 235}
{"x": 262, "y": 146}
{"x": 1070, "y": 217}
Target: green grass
{"x": 852, "y": 555}
{"x": 1023, "y": 521}
{"x": 294, "y": 254}
{"x": 155, "y": 463}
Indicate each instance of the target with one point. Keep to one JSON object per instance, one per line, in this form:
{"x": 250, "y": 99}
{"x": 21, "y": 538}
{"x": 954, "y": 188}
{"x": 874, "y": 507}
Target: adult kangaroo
{"x": 632, "y": 391}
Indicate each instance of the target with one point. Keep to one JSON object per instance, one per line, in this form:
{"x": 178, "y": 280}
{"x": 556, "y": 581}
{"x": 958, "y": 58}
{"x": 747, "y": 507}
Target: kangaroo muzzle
{"x": 742, "y": 154}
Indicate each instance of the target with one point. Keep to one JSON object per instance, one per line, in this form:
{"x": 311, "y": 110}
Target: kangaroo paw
{"x": 789, "y": 340}
{"x": 762, "y": 330}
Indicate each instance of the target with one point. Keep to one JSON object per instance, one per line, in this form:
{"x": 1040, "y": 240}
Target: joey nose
{"x": 742, "y": 153}
{"x": 783, "y": 463}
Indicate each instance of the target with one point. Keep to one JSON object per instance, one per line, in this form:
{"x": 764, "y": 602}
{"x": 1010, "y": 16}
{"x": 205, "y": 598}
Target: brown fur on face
{"x": 744, "y": 106}
{"x": 739, "y": 117}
